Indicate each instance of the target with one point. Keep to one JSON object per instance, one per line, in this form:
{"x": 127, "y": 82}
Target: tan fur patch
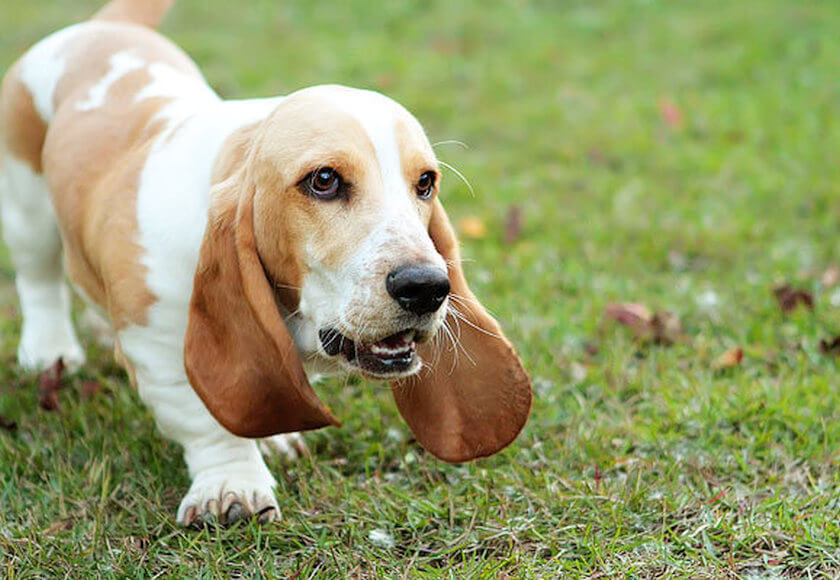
{"x": 416, "y": 157}
{"x": 23, "y": 130}
{"x": 94, "y": 188}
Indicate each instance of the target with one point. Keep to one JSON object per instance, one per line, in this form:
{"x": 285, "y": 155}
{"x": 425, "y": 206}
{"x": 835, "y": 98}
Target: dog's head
{"x": 332, "y": 222}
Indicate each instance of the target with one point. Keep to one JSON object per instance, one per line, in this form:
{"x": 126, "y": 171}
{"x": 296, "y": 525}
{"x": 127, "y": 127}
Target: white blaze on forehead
{"x": 400, "y": 225}
{"x": 121, "y": 63}
{"x": 377, "y": 114}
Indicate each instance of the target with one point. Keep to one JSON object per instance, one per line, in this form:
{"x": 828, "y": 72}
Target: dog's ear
{"x": 475, "y": 398}
{"x": 238, "y": 354}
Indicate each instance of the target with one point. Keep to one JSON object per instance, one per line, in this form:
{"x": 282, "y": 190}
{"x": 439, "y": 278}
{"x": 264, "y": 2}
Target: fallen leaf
{"x": 661, "y": 327}
{"x": 789, "y": 298}
{"x": 513, "y": 224}
{"x": 731, "y": 358}
{"x": 472, "y": 227}
{"x": 59, "y": 526}
{"x": 7, "y": 424}
{"x": 830, "y": 346}
{"x": 671, "y": 114}
{"x": 49, "y": 385}
{"x": 628, "y": 313}
{"x": 666, "y": 327}
{"x": 140, "y": 544}
{"x": 831, "y": 276}
{"x": 446, "y": 46}
{"x": 596, "y": 156}
{"x": 90, "y": 388}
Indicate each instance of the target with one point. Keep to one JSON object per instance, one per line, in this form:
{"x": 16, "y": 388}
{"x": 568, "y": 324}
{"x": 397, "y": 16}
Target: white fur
{"x": 31, "y": 233}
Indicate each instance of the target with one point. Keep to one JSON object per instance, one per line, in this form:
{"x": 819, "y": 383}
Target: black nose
{"x": 418, "y": 288}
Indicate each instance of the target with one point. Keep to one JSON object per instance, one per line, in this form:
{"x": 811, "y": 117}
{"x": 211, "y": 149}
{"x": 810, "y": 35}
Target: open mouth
{"x": 392, "y": 355}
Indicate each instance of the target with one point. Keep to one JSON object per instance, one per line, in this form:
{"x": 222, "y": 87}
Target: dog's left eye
{"x": 426, "y": 185}
{"x": 325, "y": 183}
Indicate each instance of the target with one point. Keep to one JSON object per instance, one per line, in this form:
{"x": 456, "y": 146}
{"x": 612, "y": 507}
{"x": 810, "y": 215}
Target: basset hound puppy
{"x": 239, "y": 250}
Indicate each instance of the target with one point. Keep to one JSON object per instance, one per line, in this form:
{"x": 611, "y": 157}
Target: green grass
{"x": 638, "y": 461}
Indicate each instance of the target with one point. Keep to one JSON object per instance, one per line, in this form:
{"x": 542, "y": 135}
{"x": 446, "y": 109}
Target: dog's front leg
{"x": 230, "y": 480}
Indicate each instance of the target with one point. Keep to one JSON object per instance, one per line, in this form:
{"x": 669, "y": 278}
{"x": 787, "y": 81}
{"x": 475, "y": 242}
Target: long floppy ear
{"x": 476, "y": 397}
{"x": 238, "y": 354}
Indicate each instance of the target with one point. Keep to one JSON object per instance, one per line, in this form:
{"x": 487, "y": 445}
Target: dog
{"x": 240, "y": 250}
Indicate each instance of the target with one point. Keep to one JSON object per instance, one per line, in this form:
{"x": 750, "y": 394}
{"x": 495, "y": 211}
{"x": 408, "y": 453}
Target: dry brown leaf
{"x": 628, "y": 313}
{"x": 596, "y": 156}
{"x": 830, "y": 346}
{"x": 472, "y": 227}
{"x": 661, "y": 327}
{"x": 140, "y": 544}
{"x": 7, "y": 424}
{"x": 59, "y": 526}
{"x": 671, "y": 114}
{"x": 831, "y": 276}
{"x": 666, "y": 327}
{"x": 731, "y": 358}
{"x": 49, "y": 385}
{"x": 513, "y": 224}
{"x": 789, "y": 298}
{"x": 90, "y": 388}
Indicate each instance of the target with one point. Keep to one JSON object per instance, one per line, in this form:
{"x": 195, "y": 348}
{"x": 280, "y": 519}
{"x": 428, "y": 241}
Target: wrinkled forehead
{"x": 341, "y": 127}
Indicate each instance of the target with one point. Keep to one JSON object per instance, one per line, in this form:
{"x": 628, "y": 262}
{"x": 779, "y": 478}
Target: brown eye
{"x": 324, "y": 183}
{"x": 426, "y": 185}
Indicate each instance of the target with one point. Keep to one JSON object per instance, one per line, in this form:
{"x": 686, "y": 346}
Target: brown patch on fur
{"x": 416, "y": 157}
{"x": 23, "y": 129}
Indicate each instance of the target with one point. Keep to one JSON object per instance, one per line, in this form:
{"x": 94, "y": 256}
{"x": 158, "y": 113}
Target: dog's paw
{"x": 289, "y": 446}
{"x": 228, "y": 497}
{"x": 37, "y": 352}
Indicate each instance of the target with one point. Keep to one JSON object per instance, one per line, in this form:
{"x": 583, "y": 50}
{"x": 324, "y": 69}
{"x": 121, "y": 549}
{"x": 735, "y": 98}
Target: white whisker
{"x": 451, "y": 142}
{"x": 459, "y": 174}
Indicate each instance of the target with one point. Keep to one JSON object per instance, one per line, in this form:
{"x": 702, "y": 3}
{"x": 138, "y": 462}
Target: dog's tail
{"x": 143, "y": 12}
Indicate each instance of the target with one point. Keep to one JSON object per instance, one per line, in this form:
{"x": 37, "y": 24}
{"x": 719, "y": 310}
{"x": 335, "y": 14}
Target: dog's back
{"x": 78, "y": 112}
{"x": 30, "y": 94}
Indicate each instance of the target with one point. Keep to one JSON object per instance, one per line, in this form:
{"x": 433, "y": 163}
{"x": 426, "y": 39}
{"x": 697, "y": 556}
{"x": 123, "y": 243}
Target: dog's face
{"x": 345, "y": 182}
{"x": 331, "y": 217}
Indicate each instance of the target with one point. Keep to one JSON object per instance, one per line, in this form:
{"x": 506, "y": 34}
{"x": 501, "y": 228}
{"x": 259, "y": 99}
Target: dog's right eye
{"x": 324, "y": 183}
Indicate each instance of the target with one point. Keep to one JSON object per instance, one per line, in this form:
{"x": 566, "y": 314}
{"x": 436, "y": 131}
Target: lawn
{"x": 679, "y": 155}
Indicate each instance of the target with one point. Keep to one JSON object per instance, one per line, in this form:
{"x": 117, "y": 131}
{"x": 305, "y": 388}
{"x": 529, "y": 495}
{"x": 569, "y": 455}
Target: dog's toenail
{"x": 236, "y": 512}
{"x": 267, "y": 515}
{"x": 189, "y": 516}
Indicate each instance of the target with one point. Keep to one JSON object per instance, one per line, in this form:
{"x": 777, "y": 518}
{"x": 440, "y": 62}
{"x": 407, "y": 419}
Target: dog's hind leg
{"x": 31, "y": 233}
